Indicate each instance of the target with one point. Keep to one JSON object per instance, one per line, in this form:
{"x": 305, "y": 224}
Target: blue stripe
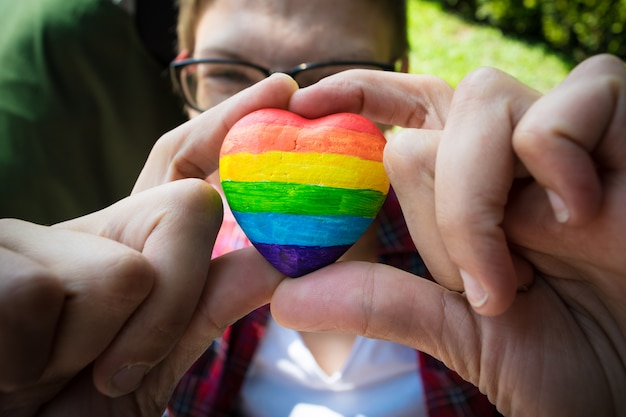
{"x": 302, "y": 230}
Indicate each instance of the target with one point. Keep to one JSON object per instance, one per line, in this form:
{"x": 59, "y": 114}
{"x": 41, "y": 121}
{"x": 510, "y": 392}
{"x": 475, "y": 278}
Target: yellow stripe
{"x": 329, "y": 170}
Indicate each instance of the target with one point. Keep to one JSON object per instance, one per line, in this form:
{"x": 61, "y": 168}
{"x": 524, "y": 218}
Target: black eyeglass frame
{"x": 176, "y": 68}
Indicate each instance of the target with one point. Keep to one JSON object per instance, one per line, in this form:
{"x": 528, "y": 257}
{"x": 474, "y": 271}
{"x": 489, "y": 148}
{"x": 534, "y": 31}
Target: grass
{"x": 449, "y": 47}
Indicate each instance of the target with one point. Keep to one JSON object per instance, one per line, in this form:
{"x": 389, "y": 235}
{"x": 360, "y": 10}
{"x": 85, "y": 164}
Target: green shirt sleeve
{"x": 81, "y": 104}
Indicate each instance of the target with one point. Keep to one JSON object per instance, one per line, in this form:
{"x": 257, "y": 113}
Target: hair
{"x": 190, "y": 11}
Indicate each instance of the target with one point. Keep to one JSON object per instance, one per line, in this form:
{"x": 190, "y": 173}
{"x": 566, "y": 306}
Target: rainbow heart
{"x": 303, "y": 191}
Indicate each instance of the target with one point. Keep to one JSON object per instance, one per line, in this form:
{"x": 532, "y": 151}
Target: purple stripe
{"x": 295, "y": 261}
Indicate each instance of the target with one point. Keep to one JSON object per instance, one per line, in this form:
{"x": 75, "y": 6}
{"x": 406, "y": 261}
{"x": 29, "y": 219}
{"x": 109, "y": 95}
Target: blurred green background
{"x": 536, "y": 41}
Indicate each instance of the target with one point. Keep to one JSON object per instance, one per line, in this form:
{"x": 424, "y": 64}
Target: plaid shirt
{"x": 212, "y": 385}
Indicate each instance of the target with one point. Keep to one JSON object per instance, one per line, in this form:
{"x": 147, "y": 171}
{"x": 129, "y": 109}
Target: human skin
{"x": 138, "y": 326}
{"x": 478, "y": 197}
{"x": 279, "y": 35}
{"x": 556, "y": 348}
{"x": 108, "y": 271}
{"x": 63, "y": 307}
{"x": 256, "y": 32}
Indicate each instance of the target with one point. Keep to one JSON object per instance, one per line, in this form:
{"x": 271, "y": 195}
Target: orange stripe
{"x": 256, "y": 139}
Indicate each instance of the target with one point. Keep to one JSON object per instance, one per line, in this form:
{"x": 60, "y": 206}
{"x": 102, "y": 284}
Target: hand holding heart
{"x": 103, "y": 314}
{"x": 118, "y": 302}
{"x": 474, "y": 196}
{"x": 468, "y": 218}
{"x": 556, "y": 349}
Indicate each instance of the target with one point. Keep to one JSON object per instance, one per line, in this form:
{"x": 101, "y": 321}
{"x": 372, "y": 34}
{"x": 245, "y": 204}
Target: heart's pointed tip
{"x": 296, "y": 261}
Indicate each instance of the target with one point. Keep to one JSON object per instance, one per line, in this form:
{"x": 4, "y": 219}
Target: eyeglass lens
{"x": 207, "y": 84}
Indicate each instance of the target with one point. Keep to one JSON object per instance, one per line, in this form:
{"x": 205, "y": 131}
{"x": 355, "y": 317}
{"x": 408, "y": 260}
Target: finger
{"x": 238, "y": 283}
{"x": 567, "y": 133}
{"x": 174, "y": 225}
{"x": 407, "y": 100}
{"x": 582, "y": 164}
{"x": 474, "y": 173}
{"x": 409, "y": 159}
{"x": 365, "y": 293}
{"x": 31, "y": 299}
{"x": 381, "y": 302}
{"x": 102, "y": 281}
{"x": 192, "y": 149}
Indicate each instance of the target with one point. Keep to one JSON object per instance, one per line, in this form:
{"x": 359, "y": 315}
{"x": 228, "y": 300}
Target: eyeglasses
{"x": 203, "y": 83}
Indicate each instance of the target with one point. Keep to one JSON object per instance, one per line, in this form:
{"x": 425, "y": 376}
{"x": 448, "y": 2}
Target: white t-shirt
{"x": 379, "y": 379}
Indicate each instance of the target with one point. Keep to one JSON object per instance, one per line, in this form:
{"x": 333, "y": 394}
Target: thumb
{"x": 382, "y": 302}
{"x": 238, "y": 283}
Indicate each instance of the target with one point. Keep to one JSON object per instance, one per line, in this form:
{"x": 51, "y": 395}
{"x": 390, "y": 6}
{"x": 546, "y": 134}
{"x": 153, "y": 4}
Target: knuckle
{"x": 369, "y": 301}
{"x": 408, "y": 154}
{"x": 481, "y": 81}
{"x": 30, "y": 304}
{"x": 483, "y": 85}
{"x": 130, "y": 278}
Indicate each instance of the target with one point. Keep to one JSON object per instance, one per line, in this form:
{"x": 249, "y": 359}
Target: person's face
{"x": 280, "y": 34}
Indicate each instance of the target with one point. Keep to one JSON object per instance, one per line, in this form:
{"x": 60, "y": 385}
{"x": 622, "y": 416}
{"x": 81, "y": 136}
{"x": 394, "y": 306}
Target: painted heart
{"x": 303, "y": 190}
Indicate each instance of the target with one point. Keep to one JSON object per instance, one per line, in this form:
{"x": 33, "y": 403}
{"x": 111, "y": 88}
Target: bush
{"x": 578, "y": 28}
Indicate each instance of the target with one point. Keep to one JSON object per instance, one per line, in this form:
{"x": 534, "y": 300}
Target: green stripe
{"x": 288, "y": 198}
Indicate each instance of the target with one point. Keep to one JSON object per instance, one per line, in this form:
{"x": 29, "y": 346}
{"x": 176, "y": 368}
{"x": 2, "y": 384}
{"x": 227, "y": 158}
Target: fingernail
{"x": 127, "y": 379}
{"x": 474, "y": 292}
{"x": 558, "y": 206}
{"x": 283, "y": 75}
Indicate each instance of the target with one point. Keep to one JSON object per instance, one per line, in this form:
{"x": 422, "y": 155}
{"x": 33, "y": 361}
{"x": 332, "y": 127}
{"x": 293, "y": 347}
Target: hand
{"x": 477, "y": 192}
{"x": 192, "y": 150}
{"x": 78, "y": 328}
{"x": 99, "y": 304}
